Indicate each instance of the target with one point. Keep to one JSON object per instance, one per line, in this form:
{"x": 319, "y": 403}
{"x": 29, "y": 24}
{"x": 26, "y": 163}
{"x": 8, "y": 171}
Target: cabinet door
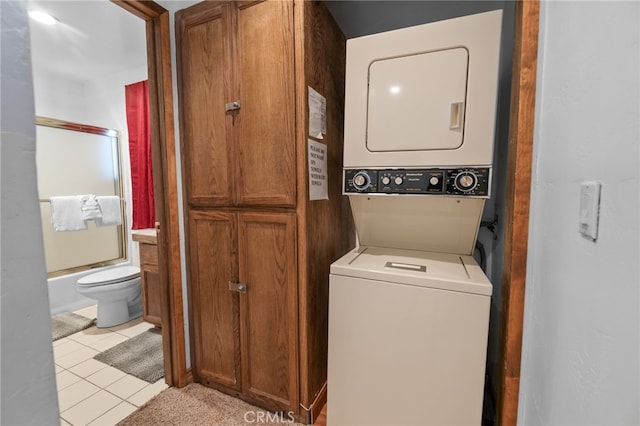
{"x": 205, "y": 88}
{"x": 263, "y": 66}
{"x": 214, "y": 308}
{"x": 151, "y": 296}
{"x": 267, "y": 265}
{"x": 151, "y": 289}
{"x": 151, "y": 302}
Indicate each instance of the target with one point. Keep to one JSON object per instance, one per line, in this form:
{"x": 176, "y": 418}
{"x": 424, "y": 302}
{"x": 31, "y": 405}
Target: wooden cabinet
{"x": 150, "y": 278}
{"x": 259, "y": 250}
{"x": 241, "y": 52}
{"x": 214, "y": 309}
{"x": 269, "y": 311}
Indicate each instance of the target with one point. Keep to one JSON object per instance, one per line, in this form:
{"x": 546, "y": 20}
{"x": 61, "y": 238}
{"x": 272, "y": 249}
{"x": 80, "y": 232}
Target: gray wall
{"x": 28, "y": 390}
{"x": 359, "y": 18}
{"x": 580, "y": 360}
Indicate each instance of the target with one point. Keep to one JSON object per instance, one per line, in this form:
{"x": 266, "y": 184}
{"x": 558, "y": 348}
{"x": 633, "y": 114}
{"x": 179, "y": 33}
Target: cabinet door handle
{"x": 232, "y": 106}
{"x": 239, "y": 287}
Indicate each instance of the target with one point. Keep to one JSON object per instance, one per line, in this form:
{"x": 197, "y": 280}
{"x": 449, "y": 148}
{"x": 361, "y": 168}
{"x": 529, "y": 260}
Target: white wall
{"x": 28, "y": 389}
{"x": 580, "y": 349}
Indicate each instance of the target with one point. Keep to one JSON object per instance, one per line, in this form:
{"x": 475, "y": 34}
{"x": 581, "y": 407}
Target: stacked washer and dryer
{"x": 409, "y": 307}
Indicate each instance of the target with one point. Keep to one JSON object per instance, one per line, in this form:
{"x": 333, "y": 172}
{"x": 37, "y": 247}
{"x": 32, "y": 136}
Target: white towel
{"x": 111, "y": 211}
{"x": 90, "y": 208}
{"x": 66, "y": 213}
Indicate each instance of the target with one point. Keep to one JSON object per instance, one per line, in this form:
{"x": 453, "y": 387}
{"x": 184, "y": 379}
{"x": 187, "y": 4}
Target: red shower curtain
{"x": 137, "y": 102}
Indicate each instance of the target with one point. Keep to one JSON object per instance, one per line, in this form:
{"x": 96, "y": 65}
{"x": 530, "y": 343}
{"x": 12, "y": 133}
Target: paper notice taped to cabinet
{"x": 317, "y": 114}
{"x": 317, "y": 171}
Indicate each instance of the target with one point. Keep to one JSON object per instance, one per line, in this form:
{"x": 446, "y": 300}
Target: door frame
{"x": 516, "y": 234}
{"x": 164, "y": 184}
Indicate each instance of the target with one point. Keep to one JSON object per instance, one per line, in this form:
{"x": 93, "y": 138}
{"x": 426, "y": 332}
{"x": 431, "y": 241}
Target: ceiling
{"x": 92, "y": 39}
{"x": 97, "y": 37}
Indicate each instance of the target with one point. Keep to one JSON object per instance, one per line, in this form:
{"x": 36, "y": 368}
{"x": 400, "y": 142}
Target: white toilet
{"x": 118, "y": 293}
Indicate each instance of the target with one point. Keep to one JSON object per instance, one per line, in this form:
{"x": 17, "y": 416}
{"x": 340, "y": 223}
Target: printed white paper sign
{"x": 317, "y": 171}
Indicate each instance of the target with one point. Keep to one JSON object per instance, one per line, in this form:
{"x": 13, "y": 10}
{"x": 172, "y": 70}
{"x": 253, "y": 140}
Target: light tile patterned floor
{"x": 91, "y": 392}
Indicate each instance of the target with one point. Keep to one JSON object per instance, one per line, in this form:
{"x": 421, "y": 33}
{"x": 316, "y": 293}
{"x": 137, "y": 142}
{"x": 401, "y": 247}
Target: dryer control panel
{"x": 460, "y": 181}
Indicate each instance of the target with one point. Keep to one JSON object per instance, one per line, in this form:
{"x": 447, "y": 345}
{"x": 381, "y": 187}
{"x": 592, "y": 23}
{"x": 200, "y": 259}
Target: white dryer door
{"x": 416, "y": 102}
{"x": 423, "y": 96}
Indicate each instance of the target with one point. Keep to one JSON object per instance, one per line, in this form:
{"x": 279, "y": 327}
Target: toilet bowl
{"x": 118, "y": 293}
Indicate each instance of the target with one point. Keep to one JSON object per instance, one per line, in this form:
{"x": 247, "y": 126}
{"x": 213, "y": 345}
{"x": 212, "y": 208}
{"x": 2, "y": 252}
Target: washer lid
{"x": 420, "y": 268}
{"x": 110, "y": 276}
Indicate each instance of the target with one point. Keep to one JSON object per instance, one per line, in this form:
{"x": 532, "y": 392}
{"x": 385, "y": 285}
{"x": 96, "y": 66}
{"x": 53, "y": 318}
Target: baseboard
{"x": 318, "y": 404}
{"x": 185, "y": 378}
{"x": 188, "y": 377}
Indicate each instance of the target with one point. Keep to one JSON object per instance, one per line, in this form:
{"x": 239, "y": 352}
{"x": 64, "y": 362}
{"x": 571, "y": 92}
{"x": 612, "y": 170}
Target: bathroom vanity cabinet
{"x": 258, "y": 249}
{"x": 149, "y": 274}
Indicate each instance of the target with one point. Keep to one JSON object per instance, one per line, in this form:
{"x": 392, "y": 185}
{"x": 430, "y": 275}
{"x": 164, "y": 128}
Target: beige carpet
{"x": 198, "y": 405}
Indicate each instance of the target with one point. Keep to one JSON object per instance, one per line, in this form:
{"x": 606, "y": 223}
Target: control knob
{"x": 466, "y": 181}
{"x": 386, "y": 180}
{"x": 434, "y": 180}
{"x": 398, "y": 180}
{"x": 361, "y": 181}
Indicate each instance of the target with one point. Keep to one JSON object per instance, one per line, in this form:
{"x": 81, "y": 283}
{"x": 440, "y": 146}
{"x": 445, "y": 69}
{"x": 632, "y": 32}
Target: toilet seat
{"x": 110, "y": 276}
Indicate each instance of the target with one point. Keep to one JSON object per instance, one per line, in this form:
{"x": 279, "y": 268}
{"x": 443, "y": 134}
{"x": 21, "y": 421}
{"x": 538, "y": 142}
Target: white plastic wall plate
{"x": 589, "y": 209}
